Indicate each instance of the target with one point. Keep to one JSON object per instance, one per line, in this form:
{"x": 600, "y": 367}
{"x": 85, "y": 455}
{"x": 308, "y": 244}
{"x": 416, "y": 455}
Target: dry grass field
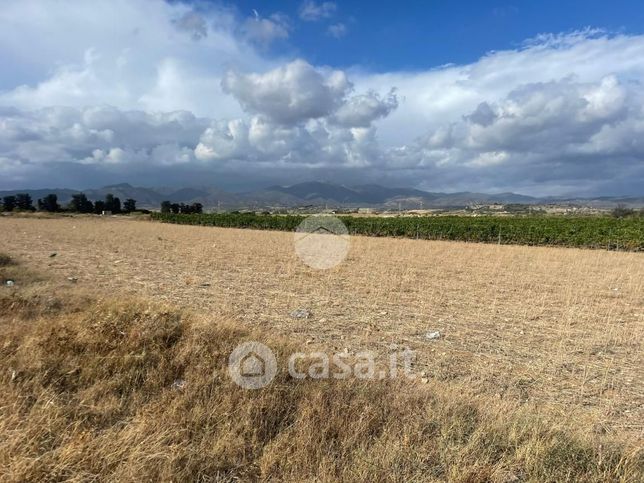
{"x": 556, "y": 334}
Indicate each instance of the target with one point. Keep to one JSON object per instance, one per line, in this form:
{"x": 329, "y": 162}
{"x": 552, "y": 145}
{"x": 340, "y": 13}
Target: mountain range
{"x": 319, "y": 194}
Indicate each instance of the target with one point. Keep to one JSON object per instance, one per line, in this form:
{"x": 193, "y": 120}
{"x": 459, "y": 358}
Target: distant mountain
{"x": 186, "y": 194}
{"x": 320, "y": 192}
{"x": 317, "y": 193}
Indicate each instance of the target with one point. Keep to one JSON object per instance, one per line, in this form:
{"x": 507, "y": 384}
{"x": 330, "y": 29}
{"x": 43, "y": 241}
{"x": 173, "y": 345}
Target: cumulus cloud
{"x": 317, "y": 144}
{"x": 362, "y": 110}
{"x": 565, "y": 133}
{"x": 96, "y": 135}
{"x": 132, "y": 54}
{"x": 264, "y": 31}
{"x": 131, "y": 89}
{"x": 292, "y": 93}
{"x": 311, "y": 11}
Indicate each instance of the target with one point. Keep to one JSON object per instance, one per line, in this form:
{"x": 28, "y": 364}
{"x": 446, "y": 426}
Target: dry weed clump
{"x": 129, "y": 391}
{"x": 5, "y": 260}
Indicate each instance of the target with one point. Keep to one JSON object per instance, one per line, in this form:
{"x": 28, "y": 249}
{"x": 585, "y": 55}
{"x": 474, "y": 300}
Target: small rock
{"x": 178, "y": 384}
{"x": 433, "y": 335}
{"x": 309, "y": 342}
{"x": 52, "y": 255}
{"x": 424, "y": 380}
{"x": 301, "y": 314}
{"x": 10, "y": 283}
{"x": 72, "y": 279}
{"x": 383, "y": 312}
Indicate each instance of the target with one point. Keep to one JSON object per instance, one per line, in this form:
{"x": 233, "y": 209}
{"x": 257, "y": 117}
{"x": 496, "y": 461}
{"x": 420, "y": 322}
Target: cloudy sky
{"x": 540, "y": 98}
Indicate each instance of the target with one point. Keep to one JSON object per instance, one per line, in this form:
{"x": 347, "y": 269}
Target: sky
{"x": 540, "y": 98}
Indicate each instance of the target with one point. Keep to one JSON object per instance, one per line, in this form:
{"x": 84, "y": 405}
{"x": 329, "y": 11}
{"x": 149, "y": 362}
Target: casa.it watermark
{"x": 322, "y": 241}
{"x": 253, "y": 365}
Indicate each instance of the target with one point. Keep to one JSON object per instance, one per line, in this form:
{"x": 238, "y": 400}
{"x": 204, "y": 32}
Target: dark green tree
{"x": 99, "y": 207}
{"x": 49, "y": 203}
{"x": 129, "y": 205}
{"x": 112, "y": 203}
{"x": 166, "y": 207}
{"x": 190, "y": 209}
{"x": 197, "y": 208}
{"x": 80, "y": 204}
{"x": 24, "y": 202}
{"x": 8, "y": 203}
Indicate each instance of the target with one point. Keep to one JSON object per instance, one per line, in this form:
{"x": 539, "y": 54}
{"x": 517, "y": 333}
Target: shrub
{"x": 5, "y": 260}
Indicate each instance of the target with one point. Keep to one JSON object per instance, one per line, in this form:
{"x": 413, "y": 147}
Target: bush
{"x": 622, "y": 212}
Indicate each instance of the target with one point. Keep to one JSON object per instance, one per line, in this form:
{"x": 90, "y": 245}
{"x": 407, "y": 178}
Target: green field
{"x": 579, "y": 231}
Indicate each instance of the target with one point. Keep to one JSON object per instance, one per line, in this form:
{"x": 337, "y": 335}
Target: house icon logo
{"x": 322, "y": 241}
{"x": 252, "y": 365}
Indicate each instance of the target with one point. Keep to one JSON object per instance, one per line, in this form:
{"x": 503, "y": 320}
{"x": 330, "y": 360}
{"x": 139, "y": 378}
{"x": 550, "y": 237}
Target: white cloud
{"x": 194, "y": 24}
{"x": 337, "y": 30}
{"x": 136, "y": 87}
{"x": 132, "y": 54}
{"x": 311, "y": 11}
{"x": 264, "y": 31}
{"x": 292, "y": 93}
{"x": 362, "y": 110}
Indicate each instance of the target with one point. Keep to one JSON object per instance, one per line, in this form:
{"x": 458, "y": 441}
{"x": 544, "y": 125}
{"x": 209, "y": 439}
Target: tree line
{"x": 78, "y": 204}
{"x": 176, "y": 208}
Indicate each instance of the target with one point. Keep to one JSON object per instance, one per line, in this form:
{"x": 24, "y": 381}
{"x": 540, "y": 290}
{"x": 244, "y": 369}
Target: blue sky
{"x": 415, "y": 34}
{"x": 540, "y": 98}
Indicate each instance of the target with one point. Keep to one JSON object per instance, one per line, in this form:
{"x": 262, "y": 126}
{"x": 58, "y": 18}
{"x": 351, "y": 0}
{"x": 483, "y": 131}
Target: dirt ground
{"x": 559, "y": 329}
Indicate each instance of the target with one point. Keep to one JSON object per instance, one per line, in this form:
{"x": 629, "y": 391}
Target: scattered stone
{"x": 384, "y": 312}
{"x": 301, "y": 314}
{"x": 424, "y": 380}
{"x": 322, "y": 320}
{"x": 72, "y": 279}
{"x": 10, "y": 283}
{"x": 52, "y": 255}
{"x": 309, "y": 342}
{"x": 178, "y": 384}
{"x": 433, "y": 335}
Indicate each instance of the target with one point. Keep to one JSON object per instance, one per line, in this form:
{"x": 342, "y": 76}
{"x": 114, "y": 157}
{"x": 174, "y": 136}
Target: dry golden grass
{"x": 90, "y": 395}
{"x": 542, "y": 334}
